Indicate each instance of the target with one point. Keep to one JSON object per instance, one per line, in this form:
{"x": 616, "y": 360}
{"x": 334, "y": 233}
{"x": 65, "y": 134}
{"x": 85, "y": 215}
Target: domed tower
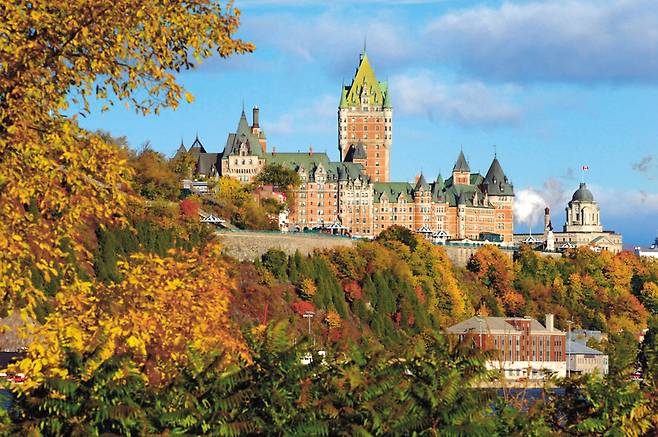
{"x": 583, "y": 213}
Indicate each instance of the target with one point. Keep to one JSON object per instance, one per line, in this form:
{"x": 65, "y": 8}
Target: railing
{"x": 296, "y": 234}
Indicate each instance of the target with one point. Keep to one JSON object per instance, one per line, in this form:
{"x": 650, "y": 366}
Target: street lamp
{"x": 480, "y": 322}
{"x": 569, "y": 323}
{"x": 309, "y": 315}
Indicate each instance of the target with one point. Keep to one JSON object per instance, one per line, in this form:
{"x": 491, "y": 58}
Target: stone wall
{"x": 460, "y": 255}
{"x": 247, "y": 246}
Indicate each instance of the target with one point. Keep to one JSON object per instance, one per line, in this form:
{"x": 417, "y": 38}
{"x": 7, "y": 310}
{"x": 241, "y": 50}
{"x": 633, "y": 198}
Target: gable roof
{"x": 196, "y": 148}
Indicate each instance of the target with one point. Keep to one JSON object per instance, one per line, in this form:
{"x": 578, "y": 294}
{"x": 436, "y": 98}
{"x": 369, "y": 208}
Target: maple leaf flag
{"x": 585, "y": 167}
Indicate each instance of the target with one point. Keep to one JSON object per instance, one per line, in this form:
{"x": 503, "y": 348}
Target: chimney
{"x": 255, "y": 117}
{"x": 550, "y": 322}
{"x": 273, "y": 150}
{"x": 547, "y": 219}
{"x": 310, "y": 150}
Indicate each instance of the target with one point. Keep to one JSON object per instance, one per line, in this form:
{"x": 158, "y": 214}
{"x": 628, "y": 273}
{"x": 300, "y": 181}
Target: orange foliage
{"x": 353, "y": 290}
{"x": 494, "y": 270}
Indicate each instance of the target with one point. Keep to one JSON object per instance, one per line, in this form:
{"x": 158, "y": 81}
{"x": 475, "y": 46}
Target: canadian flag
{"x": 585, "y": 167}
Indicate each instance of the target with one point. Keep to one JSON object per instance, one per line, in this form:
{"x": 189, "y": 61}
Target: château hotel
{"x": 355, "y": 192}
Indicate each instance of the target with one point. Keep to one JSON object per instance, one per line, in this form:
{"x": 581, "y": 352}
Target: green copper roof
{"x": 343, "y": 98}
{"x": 243, "y": 134}
{"x": 365, "y": 80}
{"x": 392, "y": 191}
{"x": 336, "y": 171}
{"x": 387, "y": 100}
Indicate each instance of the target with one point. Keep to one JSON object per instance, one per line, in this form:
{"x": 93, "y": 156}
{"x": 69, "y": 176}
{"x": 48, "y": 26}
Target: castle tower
{"x": 500, "y": 194}
{"x": 583, "y": 213}
{"x": 365, "y": 120}
{"x": 461, "y": 172}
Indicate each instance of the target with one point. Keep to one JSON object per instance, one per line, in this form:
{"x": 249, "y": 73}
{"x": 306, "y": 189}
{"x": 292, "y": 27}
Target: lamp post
{"x": 480, "y": 322}
{"x": 569, "y": 323}
{"x": 309, "y": 315}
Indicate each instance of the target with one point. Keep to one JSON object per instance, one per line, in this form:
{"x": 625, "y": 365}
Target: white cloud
{"x": 562, "y": 40}
{"x": 319, "y": 117}
{"x": 582, "y": 41}
{"x": 467, "y": 103}
{"x": 530, "y": 202}
{"x": 626, "y": 203}
{"x": 332, "y": 38}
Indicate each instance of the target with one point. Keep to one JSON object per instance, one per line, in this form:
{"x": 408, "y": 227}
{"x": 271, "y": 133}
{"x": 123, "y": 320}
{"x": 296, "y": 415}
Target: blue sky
{"x": 553, "y": 84}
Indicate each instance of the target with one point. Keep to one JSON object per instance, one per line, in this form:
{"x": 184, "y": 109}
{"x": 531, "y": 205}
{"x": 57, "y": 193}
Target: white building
{"x": 584, "y": 359}
{"x": 651, "y": 252}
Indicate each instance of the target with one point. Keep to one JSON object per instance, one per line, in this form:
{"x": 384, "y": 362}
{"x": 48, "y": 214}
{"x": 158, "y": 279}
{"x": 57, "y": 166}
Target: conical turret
{"x": 461, "y": 165}
{"x": 496, "y": 182}
{"x": 422, "y": 184}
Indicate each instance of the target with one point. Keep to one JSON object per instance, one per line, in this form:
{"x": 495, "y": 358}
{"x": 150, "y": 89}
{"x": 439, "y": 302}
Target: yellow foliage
{"x": 333, "y": 320}
{"x": 163, "y": 306}
{"x": 55, "y": 177}
{"x": 308, "y": 287}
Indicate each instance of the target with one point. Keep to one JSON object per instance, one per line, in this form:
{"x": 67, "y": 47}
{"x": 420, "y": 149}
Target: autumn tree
{"x": 156, "y": 313}
{"x": 279, "y": 176}
{"x": 494, "y": 270}
{"x": 153, "y": 177}
{"x": 56, "y": 57}
{"x": 183, "y": 164}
